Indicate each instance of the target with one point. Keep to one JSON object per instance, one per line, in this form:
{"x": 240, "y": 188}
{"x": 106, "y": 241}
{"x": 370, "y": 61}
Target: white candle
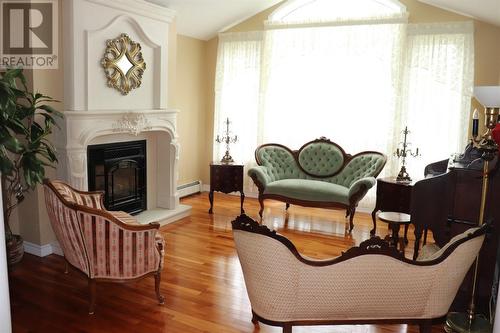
{"x": 475, "y": 123}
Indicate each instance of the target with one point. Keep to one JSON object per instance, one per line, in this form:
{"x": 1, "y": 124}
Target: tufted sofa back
{"x": 320, "y": 159}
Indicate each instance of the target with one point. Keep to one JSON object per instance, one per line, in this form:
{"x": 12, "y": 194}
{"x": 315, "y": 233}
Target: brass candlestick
{"x": 227, "y": 139}
{"x": 403, "y": 153}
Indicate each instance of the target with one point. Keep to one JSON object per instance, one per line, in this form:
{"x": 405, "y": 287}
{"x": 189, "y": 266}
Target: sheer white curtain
{"x": 437, "y": 90}
{"x": 237, "y": 94}
{"x": 340, "y": 82}
{"x": 357, "y": 82}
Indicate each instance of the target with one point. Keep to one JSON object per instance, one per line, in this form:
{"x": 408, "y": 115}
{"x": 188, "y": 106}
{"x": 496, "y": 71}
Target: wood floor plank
{"x": 202, "y": 280}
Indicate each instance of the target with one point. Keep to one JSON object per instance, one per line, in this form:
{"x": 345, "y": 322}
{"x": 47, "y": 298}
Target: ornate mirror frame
{"x": 123, "y": 64}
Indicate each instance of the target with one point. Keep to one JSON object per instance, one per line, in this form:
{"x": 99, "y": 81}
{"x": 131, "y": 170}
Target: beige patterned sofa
{"x": 372, "y": 283}
{"x": 319, "y": 174}
{"x": 103, "y": 245}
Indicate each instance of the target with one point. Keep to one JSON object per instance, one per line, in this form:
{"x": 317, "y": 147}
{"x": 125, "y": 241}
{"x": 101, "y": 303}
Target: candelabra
{"x": 227, "y": 139}
{"x": 403, "y": 153}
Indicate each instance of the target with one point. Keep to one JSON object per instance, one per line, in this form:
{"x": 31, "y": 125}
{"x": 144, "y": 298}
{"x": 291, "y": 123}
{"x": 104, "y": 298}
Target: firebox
{"x": 119, "y": 169}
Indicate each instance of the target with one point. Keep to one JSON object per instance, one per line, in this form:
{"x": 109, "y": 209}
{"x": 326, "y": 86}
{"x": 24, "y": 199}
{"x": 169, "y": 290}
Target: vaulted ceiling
{"x": 484, "y": 10}
{"x": 203, "y": 19}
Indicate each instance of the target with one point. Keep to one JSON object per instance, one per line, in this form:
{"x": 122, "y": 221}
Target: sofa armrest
{"x": 360, "y": 187}
{"x": 260, "y": 174}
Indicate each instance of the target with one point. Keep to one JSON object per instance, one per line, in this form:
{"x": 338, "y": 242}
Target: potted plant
{"x": 26, "y": 124}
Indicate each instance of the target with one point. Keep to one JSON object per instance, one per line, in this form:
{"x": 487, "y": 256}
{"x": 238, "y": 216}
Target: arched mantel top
{"x": 145, "y": 38}
{"x": 295, "y": 11}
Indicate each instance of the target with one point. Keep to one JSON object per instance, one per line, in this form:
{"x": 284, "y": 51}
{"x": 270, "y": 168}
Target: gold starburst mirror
{"x": 123, "y": 64}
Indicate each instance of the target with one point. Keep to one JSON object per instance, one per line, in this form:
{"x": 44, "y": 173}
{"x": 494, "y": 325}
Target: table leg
{"x": 374, "y": 220}
{"x": 211, "y": 199}
{"x": 395, "y": 234}
{"x": 406, "y": 233}
{"x": 242, "y": 198}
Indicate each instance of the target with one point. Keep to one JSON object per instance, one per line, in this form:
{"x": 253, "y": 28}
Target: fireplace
{"x": 119, "y": 169}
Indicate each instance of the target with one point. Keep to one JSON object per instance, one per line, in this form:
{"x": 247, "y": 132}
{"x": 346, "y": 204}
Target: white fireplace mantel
{"x": 96, "y": 114}
{"x": 85, "y": 127}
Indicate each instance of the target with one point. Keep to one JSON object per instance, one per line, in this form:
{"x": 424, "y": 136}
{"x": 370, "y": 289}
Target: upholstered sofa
{"x": 107, "y": 246}
{"x": 319, "y": 174}
{"x": 372, "y": 283}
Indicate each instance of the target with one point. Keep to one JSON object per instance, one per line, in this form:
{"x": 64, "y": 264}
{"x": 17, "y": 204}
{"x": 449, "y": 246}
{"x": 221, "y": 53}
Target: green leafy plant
{"x": 26, "y": 123}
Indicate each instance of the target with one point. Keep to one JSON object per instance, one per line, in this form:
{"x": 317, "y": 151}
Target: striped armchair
{"x": 372, "y": 283}
{"x": 103, "y": 245}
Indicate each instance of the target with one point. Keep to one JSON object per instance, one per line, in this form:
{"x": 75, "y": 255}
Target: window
{"x": 353, "y": 71}
{"x": 335, "y": 10}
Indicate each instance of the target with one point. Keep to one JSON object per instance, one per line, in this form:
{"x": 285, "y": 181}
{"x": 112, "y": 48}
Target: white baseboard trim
{"x": 190, "y": 188}
{"x": 56, "y": 249}
{"x": 42, "y": 250}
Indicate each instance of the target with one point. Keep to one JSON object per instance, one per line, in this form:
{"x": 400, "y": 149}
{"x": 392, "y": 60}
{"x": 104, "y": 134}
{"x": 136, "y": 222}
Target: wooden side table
{"x": 226, "y": 178}
{"x": 392, "y": 197}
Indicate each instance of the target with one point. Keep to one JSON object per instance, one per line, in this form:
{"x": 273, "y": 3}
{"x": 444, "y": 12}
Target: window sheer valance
{"x": 324, "y": 11}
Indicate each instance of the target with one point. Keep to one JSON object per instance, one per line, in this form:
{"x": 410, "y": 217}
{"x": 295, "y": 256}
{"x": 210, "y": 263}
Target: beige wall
{"x": 191, "y": 99}
{"x": 211, "y": 59}
{"x": 32, "y": 220}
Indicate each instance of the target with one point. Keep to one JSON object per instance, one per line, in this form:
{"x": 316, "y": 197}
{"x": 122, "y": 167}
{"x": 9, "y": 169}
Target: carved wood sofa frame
{"x": 97, "y": 198}
{"x": 372, "y": 246}
{"x": 354, "y": 200}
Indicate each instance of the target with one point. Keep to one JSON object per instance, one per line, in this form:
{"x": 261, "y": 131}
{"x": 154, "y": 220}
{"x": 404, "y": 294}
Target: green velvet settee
{"x": 319, "y": 174}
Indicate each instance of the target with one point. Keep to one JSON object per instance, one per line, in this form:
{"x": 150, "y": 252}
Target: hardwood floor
{"x": 202, "y": 280}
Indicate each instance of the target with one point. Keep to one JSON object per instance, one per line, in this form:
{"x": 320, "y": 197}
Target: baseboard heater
{"x": 189, "y": 188}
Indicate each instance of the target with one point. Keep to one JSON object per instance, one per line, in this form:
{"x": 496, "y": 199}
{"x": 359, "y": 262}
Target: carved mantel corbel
{"x": 77, "y": 168}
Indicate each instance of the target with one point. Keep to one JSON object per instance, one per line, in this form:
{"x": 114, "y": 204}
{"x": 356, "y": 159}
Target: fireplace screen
{"x": 119, "y": 169}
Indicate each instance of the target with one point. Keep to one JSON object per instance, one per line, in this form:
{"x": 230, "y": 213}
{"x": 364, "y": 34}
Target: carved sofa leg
{"x": 161, "y": 299}
{"x": 261, "y": 192}
{"x": 287, "y": 206}
{"x": 255, "y": 321}
{"x": 287, "y": 328}
{"x": 92, "y": 296}
{"x": 261, "y": 202}
{"x": 406, "y": 234}
{"x": 351, "y": 218}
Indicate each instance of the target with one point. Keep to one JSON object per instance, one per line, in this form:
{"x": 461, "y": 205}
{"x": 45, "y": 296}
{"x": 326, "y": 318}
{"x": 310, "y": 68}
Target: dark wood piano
{"x": 447, "y": 203}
